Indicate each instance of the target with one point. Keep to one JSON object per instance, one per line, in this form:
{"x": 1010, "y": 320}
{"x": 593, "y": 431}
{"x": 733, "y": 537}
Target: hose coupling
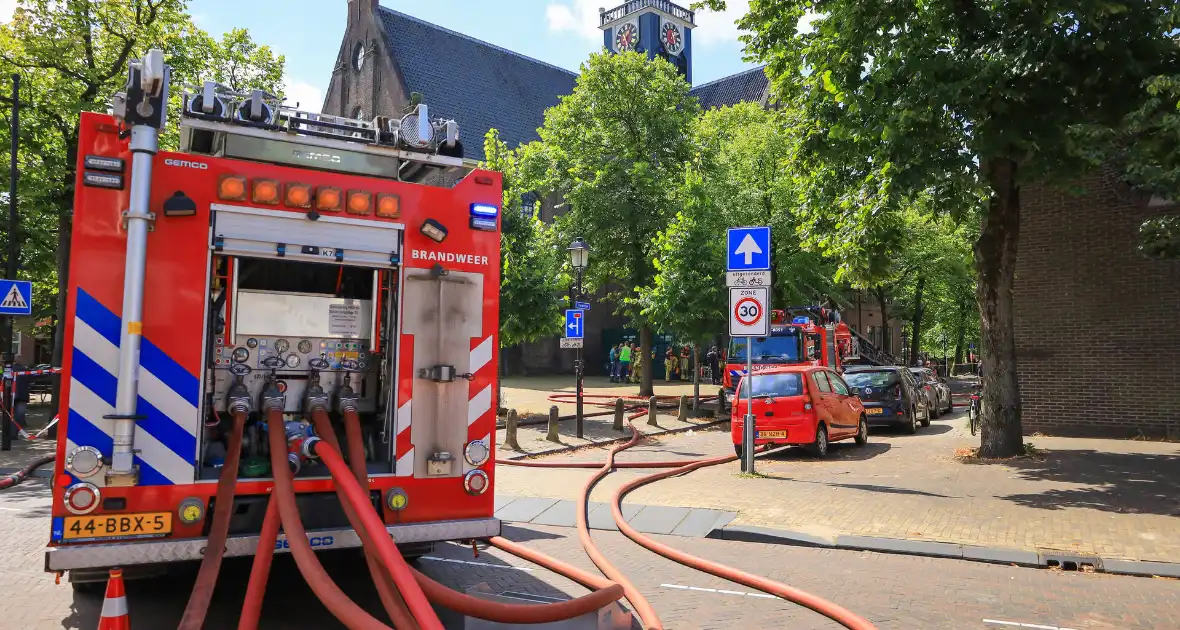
{"x": 294, "y": 463}
{"x": 347, "y": 400}
{"x": 308, "y": 447}
{"x": 238, "y": 404}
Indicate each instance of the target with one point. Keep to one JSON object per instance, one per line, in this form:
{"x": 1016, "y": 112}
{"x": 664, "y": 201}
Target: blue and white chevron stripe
{"x": 166, "y": 439}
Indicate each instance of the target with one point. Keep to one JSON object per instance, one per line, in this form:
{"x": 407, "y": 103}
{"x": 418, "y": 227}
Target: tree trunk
{"x": 696, "y": 376}
{"x": 916, "y": 322}
{"x": 961, "y": 330}
{"x": 995, "y": 261}
{"x": 886, "y": 338}
{"x": 645, "y": 340}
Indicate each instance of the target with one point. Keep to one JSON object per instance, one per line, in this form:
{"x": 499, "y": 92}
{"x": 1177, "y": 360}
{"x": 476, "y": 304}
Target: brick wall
{"x": 1097, "y": 339}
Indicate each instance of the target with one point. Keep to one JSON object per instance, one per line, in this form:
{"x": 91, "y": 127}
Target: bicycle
{"x": 973, "y": 409}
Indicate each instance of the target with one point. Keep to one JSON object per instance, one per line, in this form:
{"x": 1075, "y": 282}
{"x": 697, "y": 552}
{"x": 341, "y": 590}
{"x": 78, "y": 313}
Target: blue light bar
{"x": 802, "y": 319}
{"x": 484, "y": 210}
{"x": 481, "y": 223}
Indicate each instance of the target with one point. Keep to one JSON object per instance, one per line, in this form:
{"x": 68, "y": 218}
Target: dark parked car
{"x": 890, "y": 395}
{"x": 937, "y": 391}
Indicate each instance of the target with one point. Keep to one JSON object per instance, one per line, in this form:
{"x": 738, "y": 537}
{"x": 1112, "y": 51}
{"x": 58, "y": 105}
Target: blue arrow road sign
{"x": 574, "y": 318}
{"x": 16, "y": 297}
{"x": 749, "y": 249}
{"x": 585, "y": 306}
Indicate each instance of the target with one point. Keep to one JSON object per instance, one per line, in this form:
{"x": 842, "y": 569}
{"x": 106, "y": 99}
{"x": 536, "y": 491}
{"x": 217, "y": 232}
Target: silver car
{"x": 937, "y": 391}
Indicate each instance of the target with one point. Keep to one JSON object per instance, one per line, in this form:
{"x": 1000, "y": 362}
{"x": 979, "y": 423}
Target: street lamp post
{"x": 579, "y": 258}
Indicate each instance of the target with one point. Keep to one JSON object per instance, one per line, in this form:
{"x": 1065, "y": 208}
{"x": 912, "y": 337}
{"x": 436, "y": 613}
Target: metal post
{"x": 9, "y": 397}
{"x": 13, "y": 176}
{"x": 578, "y": 368}
{"x": 144, "y": 144}
{"x": 748, "y": 428}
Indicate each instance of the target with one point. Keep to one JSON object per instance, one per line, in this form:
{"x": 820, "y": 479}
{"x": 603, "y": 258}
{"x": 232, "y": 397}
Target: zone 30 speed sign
{"x": 748, "y": 316}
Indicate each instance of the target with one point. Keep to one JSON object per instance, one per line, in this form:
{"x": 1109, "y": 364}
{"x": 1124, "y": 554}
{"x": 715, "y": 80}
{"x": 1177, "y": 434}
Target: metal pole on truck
{"x": 748, "y": 427}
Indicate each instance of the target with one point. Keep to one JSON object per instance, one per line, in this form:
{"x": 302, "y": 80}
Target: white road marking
{"x": 1017, "y": 624}
{"x": 722, "y": 591}
{"x": 478, "y": 564}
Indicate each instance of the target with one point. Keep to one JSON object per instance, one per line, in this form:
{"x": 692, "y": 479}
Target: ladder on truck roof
{"x": 220, "y": 122}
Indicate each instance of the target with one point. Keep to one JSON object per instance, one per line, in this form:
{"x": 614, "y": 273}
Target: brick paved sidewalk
{"x": 1111, "y": 498}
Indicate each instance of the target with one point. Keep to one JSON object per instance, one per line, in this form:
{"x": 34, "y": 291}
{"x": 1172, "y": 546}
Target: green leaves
{"x": 1160, "y": 237}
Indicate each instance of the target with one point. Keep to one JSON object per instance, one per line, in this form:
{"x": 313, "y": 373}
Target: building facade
{"x": 1096, "y": 322}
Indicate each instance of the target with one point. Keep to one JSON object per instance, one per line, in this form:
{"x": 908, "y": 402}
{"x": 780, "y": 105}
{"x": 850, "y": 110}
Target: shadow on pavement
{"x": 1128, "y": 483}
{"x": 842, "y": 451}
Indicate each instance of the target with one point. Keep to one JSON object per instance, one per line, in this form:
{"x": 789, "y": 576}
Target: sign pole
{"x": 748, "y": 432}
{"x": 578, "y": 369}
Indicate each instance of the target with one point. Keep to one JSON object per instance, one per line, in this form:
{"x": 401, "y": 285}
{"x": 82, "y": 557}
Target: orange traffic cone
{"x": 114, "y": 605}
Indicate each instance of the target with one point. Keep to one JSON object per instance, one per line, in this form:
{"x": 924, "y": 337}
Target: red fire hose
{"x": 198, "y": 600}
{"x": 459, "y": 602}
{"x": 391, "y": 600}
{"x": 260, "y": 570}
{"x": 833, "y": 611}
{"x": 22, "y": 474}
{"x": 346, "y": 610}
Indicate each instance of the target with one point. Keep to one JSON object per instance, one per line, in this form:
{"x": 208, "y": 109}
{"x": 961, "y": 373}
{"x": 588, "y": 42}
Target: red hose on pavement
{"x": 22, "y": 474}
{"x": 198, "y": 600}
{"x": 647, "y": 614}
{"x": 260, "y": 569}
{"x": 830, "y": 610}
{"x": 346, "y": 610}
{"x": 390, "y": 598}
{"x": 459, "y": 602}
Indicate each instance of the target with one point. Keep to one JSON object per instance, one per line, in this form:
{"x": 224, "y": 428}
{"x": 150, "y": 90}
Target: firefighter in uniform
{"x": 669, "y": 364}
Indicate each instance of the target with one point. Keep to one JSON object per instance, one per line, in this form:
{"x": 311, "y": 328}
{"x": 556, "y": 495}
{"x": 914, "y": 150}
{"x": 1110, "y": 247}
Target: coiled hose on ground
{"x": 19, "y": 476}
{"x": 650, "y": 619}
{"x": 415, "y": 587}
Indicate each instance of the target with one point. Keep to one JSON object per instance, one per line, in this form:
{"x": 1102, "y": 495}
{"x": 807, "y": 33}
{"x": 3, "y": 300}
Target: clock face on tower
{"x": 671, "y": 38}
{"x": 626, "y": 37}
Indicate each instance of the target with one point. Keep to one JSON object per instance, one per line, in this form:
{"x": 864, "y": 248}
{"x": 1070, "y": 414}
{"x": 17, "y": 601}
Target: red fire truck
{"x": 281, "y": 262}
{"x": 813, "y": 335}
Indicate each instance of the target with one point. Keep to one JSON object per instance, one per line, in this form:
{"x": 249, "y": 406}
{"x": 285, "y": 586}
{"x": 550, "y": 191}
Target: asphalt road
{"x": 892, "y": 591}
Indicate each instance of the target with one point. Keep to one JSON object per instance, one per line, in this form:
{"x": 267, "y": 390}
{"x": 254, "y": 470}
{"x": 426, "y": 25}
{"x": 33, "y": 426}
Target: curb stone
{"x": 995, "y": 555}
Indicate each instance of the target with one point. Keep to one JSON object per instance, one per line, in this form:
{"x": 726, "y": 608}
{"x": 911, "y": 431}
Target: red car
{"x": 805, "y": 405}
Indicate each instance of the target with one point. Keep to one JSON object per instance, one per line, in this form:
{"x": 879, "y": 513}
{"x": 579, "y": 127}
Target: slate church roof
{"x": 746, "y": 86}
{"x": 479, "y": 85}
{"x": 482, "y": 86}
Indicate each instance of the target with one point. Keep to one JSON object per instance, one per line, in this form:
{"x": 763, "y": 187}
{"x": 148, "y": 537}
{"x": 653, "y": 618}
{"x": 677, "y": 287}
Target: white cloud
{"x": 309, "y": 97}
{"x": 581, "y": 17}
{"x": 6, "y": 9}
{"x": 714, "y": 27}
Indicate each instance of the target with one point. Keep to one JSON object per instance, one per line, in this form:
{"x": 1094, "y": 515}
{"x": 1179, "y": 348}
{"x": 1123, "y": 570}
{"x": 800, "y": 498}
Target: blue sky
{"x": 560, "y": 32}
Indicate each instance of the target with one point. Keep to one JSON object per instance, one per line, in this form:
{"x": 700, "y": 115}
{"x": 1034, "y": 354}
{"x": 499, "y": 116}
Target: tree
{"x": 530, "y": 269}
{"x": 73, "y": 56}
{"x": 947, "y": 100}
{"x": 615, "y": 149}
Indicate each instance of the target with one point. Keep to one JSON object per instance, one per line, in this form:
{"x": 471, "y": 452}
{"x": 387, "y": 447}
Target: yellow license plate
{"x": 772, "y": 434}
{"x": 874, "y": 411}
{"x": 146, "y": 525}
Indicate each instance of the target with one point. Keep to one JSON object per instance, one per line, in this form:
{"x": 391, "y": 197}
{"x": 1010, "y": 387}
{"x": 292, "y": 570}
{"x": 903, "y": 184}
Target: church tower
{"x": 657, "y": 28}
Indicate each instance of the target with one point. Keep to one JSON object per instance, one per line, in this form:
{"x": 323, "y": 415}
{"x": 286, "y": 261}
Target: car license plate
{"x": 772, "y": 434}
{"x": 146, "y": 525}
{"x": 874, "y": 411}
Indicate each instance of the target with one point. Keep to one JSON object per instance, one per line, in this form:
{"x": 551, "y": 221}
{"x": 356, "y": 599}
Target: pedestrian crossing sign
{"x": 18, "y": 297}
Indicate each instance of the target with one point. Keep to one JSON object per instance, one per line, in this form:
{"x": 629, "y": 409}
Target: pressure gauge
{"x": 241, "y": 355}
{"x": 304, "y": 346}
{"x": 252, "y": 342}
{"x": 282, "y": 345}
{"x": 292, "y": 361}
